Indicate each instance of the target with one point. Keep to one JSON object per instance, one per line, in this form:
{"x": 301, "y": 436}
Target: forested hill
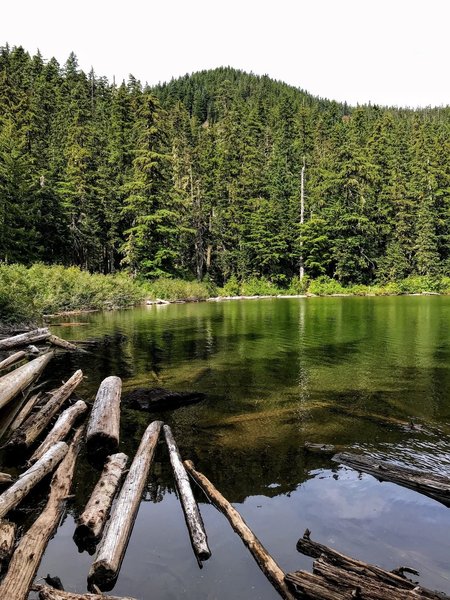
{"x": 202, "y": 177}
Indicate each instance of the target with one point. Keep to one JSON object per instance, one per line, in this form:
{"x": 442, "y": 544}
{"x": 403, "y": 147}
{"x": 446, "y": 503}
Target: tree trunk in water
{"x": 102, "y": 436}
{"x": 7, "y": 539}
{"x": 16, "y": 381}
{"x": 49, "y": 593}
{"x": 31, "y": 337}
{"x": 57, "y": 341}
{"x": 25, "y": 412}
{"x": 11, "y": 360}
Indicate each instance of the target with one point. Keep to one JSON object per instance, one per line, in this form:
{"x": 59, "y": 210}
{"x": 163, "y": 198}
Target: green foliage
{"x": 231, "y": 287}
{"x": 298, "y": 286}
{"x": 325, "y": 286}
{"x": 418, "y": 284}
{"x": 178, "y": 289}
{"x": 258, "y": 287}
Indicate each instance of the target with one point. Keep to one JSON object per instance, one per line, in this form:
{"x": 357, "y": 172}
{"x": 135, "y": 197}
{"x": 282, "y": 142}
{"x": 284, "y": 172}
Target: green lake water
{"x": 276, "y": 373}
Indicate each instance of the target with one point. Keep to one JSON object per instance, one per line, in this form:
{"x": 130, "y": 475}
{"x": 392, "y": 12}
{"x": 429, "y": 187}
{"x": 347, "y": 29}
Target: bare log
{"x": 48, "y": 593}
{"x": 11, "y": 360}
{"x": 32, "y": 428}
{"x": 63, "y": 425}
{"x": 28, "y": 554}
{"x": 16, "y": 381}
{"x": 102, "y": 435}
{"x": 424, "y": 482}
{"x": 31, "y": 337}
{"x": 57, "y": 341}
{"x": 191, "y": 512}
{"x": 15, "y": 494}
{"x": 7, "y": 539}
{"x": 265, "y": 562}
{"x": 118, "y": 530}
{"x": 5, "y": 478}
{"x": 25, "y": 411}
{"x": 92, "y": 521}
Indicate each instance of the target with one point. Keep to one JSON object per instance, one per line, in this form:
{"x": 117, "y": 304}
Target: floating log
{"x": 63, "y": 425}
{"x": 32, "y": 428}
{"x": 11, "y": 360}
{"x": 15, "y": 494}
{"x": 7, "y": 539}
{"x": 424, "y": 482}
{"x": 102, "y": 435}
{"x": 57, "y": 341}
{"x": 5, "y": 478}
{"x": 28, "y": 554}
{"x": 49, "y": 593}
{"x": 320, "y": 448}
{"x": 16, "y": 381}
{"x": 191, "y": 512}
{"x": 118, "y": 530}
{"x": 92, "y": 521}
{"x": 31, "y": 337}
{"x": 159, "y": 399}
{"x": 265, "y": 562}
{"x": 25, "y": 411}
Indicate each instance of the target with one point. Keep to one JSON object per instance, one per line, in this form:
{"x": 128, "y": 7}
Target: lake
{"x": 276, "y": 373}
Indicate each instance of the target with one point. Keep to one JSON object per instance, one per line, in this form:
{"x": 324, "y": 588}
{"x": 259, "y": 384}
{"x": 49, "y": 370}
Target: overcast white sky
{"x": 384, "y": 51}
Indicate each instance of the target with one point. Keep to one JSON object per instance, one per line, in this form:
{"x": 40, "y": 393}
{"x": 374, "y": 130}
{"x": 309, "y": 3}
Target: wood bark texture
{"x": 191, "y": 512}
{"x": 31, "y": 337}
{"x": 102, "y": 435}
{"x": 118, "y": 530}
{"x": 57, "y": 341}
{"x": 16, "y": 381}
{"x": 7, "y": 539}
{"x": 28, "y": 554}
{"x": 25, "y": 411}
{"x": 26, "y": 482}
{"x": 265, "y": 562}
{"x": 11, "y": 360}
{"x": 48, "y": 593}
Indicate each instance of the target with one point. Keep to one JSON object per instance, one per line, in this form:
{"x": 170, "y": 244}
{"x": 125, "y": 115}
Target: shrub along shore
{"x": 29, "y": 293}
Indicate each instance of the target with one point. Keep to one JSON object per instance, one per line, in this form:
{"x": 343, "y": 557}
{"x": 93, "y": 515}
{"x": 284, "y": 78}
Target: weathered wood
{"x": 93, "y": 519}
{"x": 31, "y": 337}
{"x": 25, "y": 411}
{"x": 28, "y": 554}
{"x": 57, "y": 341}
{"x": 48, "y": 593}
{"x": 11, "y": 360}
{"x": 118, "y": 530}
{"x": 17, "y": 492}
{"x": 16, "y": 381}
{"x": 5, "y": 478}
{"x": 320, "y": 448}
{"x": 7, "y": 539}
{"x": 32, "y": 428}
{"x": 424, "y": 482}
{"x": 102, "y": 435}
{"x": 191, "y": 512}
{"x": 265, "y": 562}
{"x": 63, "y": 425}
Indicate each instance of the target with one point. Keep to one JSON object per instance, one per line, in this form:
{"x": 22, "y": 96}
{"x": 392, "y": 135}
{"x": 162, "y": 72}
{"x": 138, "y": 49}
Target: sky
{"x": 389, "y": 52}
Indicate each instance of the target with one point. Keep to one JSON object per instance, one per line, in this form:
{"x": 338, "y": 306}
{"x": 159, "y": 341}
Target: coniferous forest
{"x": 214, "y": 175}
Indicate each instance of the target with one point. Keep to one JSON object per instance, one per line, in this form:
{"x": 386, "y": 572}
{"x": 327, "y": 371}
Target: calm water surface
{"x": 276, "y": 373}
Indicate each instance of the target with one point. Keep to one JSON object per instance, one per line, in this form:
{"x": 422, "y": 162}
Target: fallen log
{"x": 191, "y": 512}
{"x": 17, "y": 492}
{"x": 28, "y": 554}
{"x": 265, "y": 562}
{"x": 49, "y": 593}
{"x": 102, "y": 435}
{"x": 112, "y": 547}
{"x": 25, "y": 411}
{"x": 320, "y": 448}
{"x": 57, "y": 341}
{"x": 92, "y": 521}
{"x": 16, "y": 381}
{"x": 7, "y": 539}
{"x": 31, "y": 429}
{"x": 31, "y": 337}
{"x": 63, "y": 425}
{"x": 11, "y": 360}
{"x": 157, "y": 399}
{"x": 424, "y": 482}
{"x": 5, "y": 478}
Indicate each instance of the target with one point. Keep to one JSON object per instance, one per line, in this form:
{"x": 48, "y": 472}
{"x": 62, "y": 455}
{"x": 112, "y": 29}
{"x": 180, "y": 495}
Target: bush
{"x": 177, "y": 289}
{"x": 259, "y": 287}
{"x": 298, "y": 286}
{"x": 416, "y": 284}
{"x": 231, "y": 287}
{"x": 325, "y": 286}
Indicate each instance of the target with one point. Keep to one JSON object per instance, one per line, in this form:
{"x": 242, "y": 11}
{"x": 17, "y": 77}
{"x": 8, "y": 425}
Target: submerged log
{"x": 32, "y": 428}
{"x": 49, "y": 593}
{"x": 57, "y": 341}
{"x": 191, "y": 512}
{"x": 118, "y": 530}
{"x": 320, "y": 448}
{"x": 265, "y": 562}
{"x": 28, "y": 554}
{"x": 424, "y": 482}
{"x": 15, "y": 494}
{"x": 61, "y": 428}
{"x": 7, "y": 539}
{"x": 11, "y": 360}
{"x": 159, "y": 399}
{"x": 102, "y": 435}
{"x": 31, "y": 337}
{"x": 16, "y": 381}
{"x": 25, "y": 411}
{"x": 92, "y": 521}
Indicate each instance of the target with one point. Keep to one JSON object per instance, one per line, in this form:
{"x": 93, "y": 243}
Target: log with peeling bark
{"x": 28, "y": 554}
{"x": 57, "y": 341}
{"x": 92, "y": 521}
{"x": 13, "y": 359}
{"x": 25, "y": 411}
{"x": 7, "y": 539}
{"x": 61, "y": 428}
{"x": 102, "y": 435}
{"x": 31, "y": 337}
{"x": 112, "y": 547}
{"x": 191, "y": 512}
{"x": 265, "y": 562}
{"x": 48, "y": 593}
{"x": 432, "y": 485}
{"x": 26, "y": 482}
{"x": 31, "y": 429}
{"x": 15, "y": 382}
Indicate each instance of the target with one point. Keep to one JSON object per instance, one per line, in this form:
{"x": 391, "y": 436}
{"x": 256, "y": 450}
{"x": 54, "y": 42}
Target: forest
{"x": 216, "y": 175}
